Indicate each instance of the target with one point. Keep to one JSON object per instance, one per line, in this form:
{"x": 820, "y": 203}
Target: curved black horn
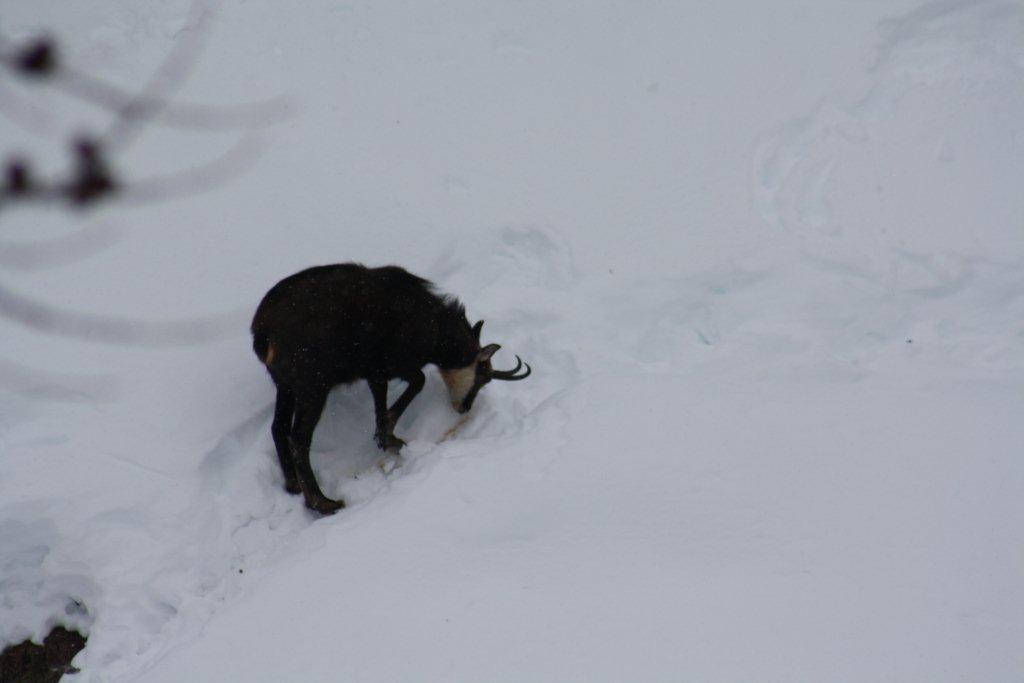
{"x": 510, "y": 375}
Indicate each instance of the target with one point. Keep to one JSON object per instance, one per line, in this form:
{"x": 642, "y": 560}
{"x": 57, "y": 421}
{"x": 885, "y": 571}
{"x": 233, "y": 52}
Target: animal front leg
{"x": 385, "y": 434}
{"x": 415, "y": 383}
{"x": 387, "y": 418}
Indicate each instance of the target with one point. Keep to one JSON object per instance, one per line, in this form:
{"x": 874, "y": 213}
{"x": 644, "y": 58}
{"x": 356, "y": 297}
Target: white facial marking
{"x": 459, "y": 381}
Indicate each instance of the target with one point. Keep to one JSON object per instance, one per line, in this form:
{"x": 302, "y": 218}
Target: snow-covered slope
{"x": 765, "y": 259}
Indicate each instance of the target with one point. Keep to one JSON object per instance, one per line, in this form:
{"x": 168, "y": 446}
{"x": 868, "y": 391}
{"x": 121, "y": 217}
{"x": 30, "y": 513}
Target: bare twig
{"x": 117, "y": 330}
{"x": 195, "y": 117}
{"x": 92, "y": 181}
{"x": 198, "y": 179}
{"x": 38, "y": 254}
{"x": 167, "y": 79}
{"x": 92, "y": 178}
{"x": 40, "y": 60}
{"x": 89, "y": 181}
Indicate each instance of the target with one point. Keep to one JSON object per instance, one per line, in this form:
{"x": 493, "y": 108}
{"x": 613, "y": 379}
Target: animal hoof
{"x": 391, "y": 443}
{"x": 325, "y": 506}
{"x": 292, "y": 486}
{"x": 390, "y": 463}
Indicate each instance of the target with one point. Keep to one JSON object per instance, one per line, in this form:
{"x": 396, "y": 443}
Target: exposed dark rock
{"x": 29, "y": 662}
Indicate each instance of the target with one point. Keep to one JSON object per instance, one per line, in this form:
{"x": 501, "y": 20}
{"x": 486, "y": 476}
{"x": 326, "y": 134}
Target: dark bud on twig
{"x": 17, "y": 180}
{"x": 92, "y": 179}
{"x": 86, "y": 149}
{"x": 38, "y": 58}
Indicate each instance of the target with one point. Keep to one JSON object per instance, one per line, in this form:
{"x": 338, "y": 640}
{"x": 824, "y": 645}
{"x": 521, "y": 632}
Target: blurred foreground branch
{"x": 93, "y": 175}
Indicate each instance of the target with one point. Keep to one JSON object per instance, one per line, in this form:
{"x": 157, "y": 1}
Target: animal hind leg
{"x": 281, "y": 429}
{"x": 307, "y": 414}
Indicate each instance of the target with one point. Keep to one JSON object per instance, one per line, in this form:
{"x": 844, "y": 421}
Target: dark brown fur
{"x": 330, "y": 325}
{"x": 28, "y": 662}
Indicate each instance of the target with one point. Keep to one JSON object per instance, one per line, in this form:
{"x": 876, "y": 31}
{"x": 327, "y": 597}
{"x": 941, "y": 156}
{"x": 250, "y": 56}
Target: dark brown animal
{"x": 331, "y": 325}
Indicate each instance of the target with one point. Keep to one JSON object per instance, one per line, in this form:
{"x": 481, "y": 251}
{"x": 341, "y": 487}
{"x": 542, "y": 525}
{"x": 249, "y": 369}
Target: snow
{"x": 764, "y": 258}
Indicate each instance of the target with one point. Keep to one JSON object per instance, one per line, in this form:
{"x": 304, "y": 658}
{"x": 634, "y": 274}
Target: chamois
{"x": 334, "y": 324}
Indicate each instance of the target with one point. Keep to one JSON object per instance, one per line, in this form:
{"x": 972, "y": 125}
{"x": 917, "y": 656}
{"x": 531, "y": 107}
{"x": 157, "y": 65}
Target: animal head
{"x": 465, "y": 383}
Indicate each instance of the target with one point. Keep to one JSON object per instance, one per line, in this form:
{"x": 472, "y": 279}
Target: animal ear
{"x": 487, "y": 352}
{"x": 476, "y": 330}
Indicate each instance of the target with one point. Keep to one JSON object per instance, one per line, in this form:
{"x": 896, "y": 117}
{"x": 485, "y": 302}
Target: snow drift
{"x": 766, "y": 263}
